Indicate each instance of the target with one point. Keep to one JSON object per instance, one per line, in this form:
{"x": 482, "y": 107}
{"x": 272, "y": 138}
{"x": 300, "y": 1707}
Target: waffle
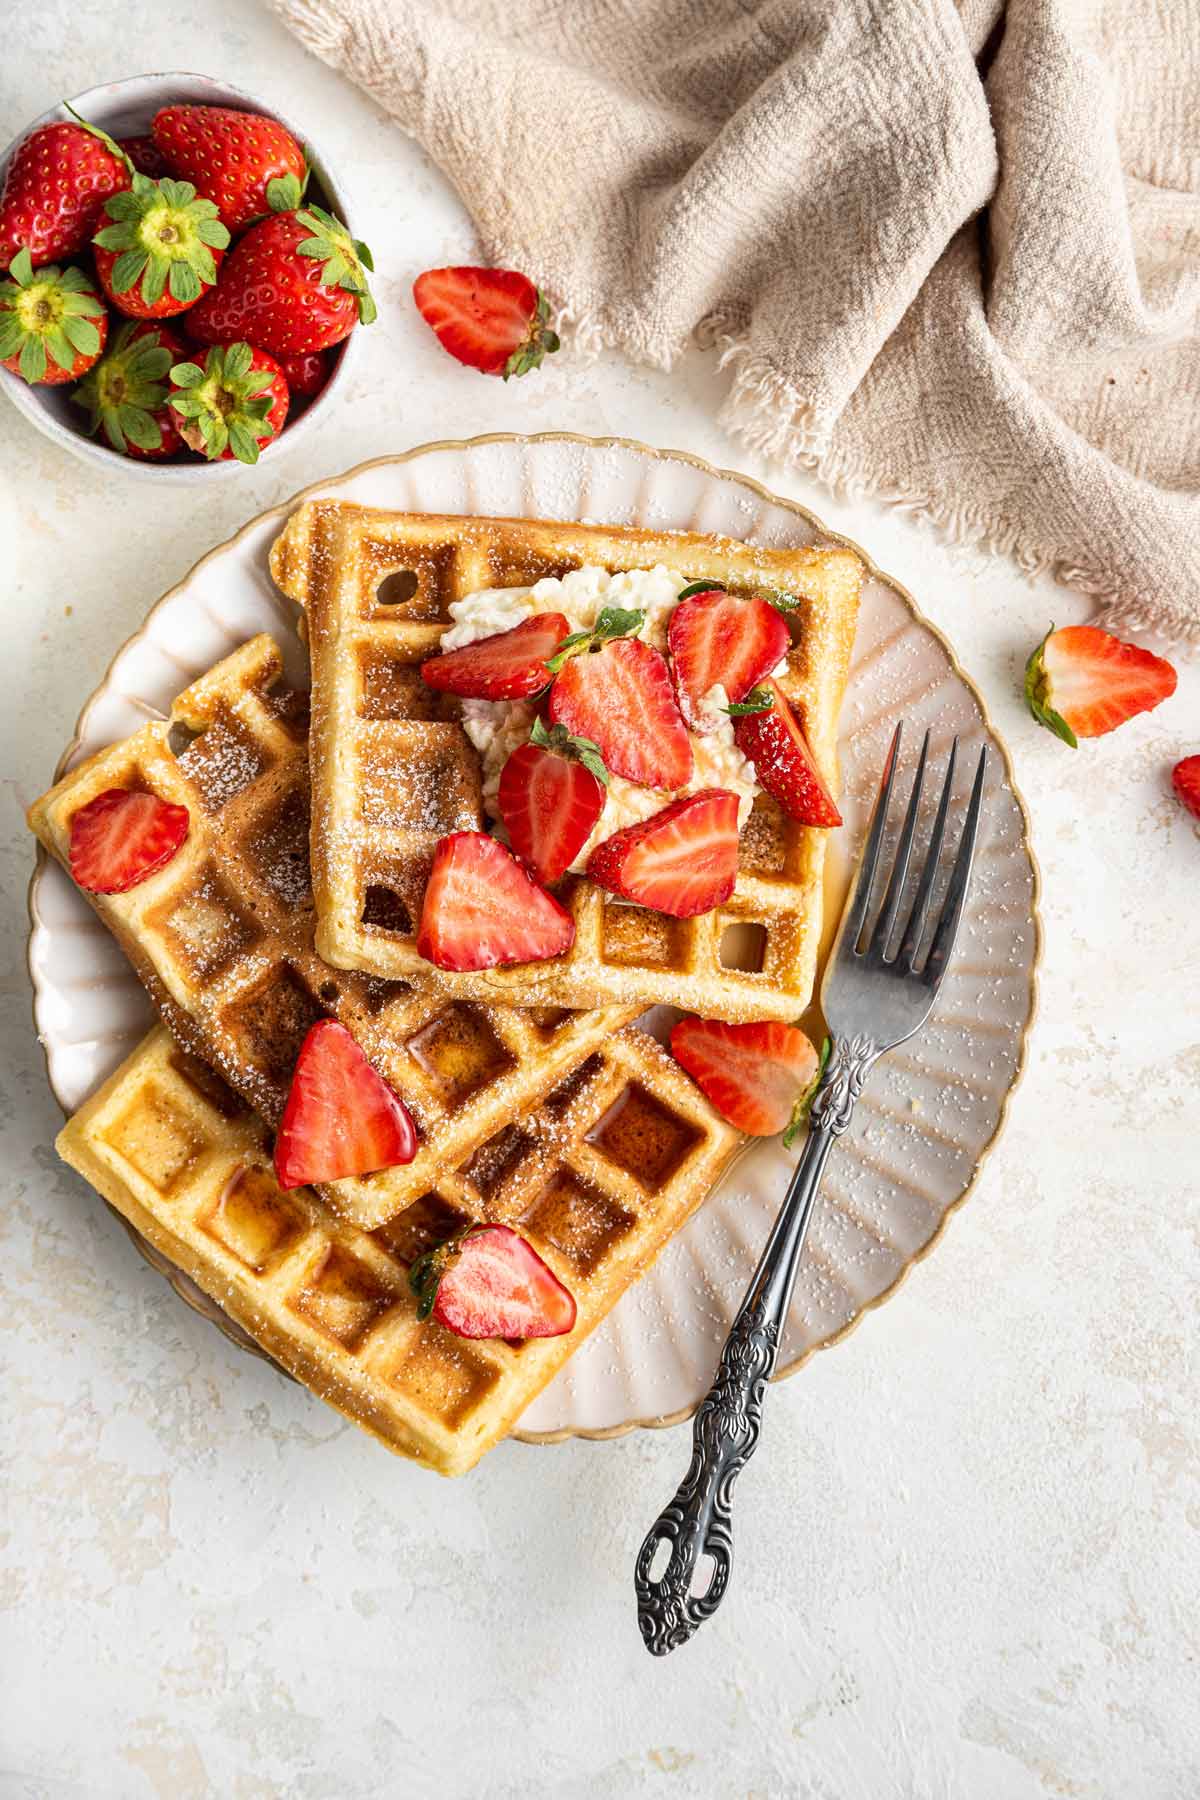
{"x": 377, "y": 588}
{"x": 597, "y": 1179}
{"x": 223, "y": 936}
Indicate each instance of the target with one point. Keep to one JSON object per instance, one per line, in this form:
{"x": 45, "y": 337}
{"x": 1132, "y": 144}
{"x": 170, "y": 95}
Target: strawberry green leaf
{"x": 1037, "y": 696}
{"x": 577, "y": 749}
{"x": 21, "y": 268}
{"x": 283, "y": 193}
{"x": 238, "y": 358}
{"x": 243, "y": 444}
{"x": 700, "y": 587}
{"x": 58, "y": 346}
{"x": 757, "y": 700}
{"x": 185, "y": 284}
{"x": 33, "y": 359}
{"x": 127, "y": 268}
{"x": 11, "y": 335}
{"x": 364, "y": 255}
{"x": 187, "y": 374}
{"x": 140, "y": 428}
{"x": 368, "y": 312}
{"x": 81, "y": 334}
{"x": 803, "y": 1106}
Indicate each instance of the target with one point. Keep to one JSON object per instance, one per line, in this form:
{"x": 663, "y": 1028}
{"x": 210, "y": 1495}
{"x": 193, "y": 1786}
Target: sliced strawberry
{"x": 550, "y": 797}
{"x": 755, "y": 1075}
{"x": 482, "y": 909}
{"x": 509, "y": 665}
{"x": 1083, "y": 682}
{"x": 1185, "y": 779}
{"x": 491, "y": 1283}
{"x": 620, "y": 697}
{"x": 683, "y": 861}
{"x": 713, "y": 638}
{"x": 494, "y": 320}
{"x": 775, "y": 743}
{"x": 122, "y": 837}
{"x": 341, "y": 1116}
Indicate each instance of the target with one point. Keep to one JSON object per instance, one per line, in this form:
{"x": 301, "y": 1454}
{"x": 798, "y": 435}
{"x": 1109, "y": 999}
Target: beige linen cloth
{"x": 949, "y": 254}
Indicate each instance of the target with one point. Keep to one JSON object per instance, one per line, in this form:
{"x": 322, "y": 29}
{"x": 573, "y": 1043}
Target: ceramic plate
{"x": 932, "y": 1109}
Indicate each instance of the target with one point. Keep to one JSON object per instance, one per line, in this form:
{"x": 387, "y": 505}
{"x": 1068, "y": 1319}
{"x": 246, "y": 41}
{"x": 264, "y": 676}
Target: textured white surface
{"x": 969, "y": 1547}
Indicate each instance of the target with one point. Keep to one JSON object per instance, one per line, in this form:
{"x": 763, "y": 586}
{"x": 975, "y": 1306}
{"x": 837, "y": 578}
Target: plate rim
{"x": 657, "y": 1421}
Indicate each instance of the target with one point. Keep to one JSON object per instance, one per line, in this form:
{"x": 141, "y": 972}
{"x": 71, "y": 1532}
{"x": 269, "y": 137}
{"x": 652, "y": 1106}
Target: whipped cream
{"x": 498, "y": 727}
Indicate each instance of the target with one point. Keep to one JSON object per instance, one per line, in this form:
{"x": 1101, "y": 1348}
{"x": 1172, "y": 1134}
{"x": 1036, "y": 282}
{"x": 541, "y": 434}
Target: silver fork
{"x": 876, "y": 993}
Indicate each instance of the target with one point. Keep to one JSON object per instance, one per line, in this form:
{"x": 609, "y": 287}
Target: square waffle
{"x": 377, "y": 588}
{"x": 222, "y": 937}
{"x": 597, "y": 1178}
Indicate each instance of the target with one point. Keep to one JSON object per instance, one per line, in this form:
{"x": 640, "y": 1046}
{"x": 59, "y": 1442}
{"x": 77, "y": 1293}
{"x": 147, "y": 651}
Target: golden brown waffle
{"x": 597, "y": 1179}
{"x": 223, "y": 936}
{"x": 377, "y": 588}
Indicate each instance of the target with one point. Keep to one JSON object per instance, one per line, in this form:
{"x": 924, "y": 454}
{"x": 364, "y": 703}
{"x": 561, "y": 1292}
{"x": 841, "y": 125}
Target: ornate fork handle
{"x": 725, "y": 1431}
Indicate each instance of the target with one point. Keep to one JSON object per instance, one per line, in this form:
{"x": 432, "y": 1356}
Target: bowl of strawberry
{"x": 180, "y": 283}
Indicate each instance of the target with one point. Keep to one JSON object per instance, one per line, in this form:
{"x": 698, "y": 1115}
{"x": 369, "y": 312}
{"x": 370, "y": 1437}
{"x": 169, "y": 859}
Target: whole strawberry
{"x": 234, "y": 158}
{"x": 126, "y": 393}
{"x": 161, "y": 250}
{"x": 52, "y": 322}
{"x": 295, "y": 282}
{"x": 55, "y": 189}
{"x": 237, "y": 402}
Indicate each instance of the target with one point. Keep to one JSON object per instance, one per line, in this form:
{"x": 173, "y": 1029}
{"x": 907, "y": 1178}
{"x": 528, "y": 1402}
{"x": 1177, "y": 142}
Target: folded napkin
{"x": 801, "y": 183}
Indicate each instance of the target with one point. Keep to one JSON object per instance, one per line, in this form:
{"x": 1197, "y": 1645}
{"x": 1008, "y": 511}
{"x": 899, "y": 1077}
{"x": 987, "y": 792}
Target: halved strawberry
{"x": 341, "y": 1116}
{"x": 482, "y": 909}
{"x": 1083, "y": 682}
{"x": 682, "y": 861}
{"x": 620, "y": 697}
{"x": 509, "y": 665}
{"x": 1185, "y": 779}
{"x": 775, "y": 743}
{"x": 491, "y": 1283}
{"x": 755, "y": 1074}
{"x": 494, "y": 320}
{"x": 122, "y": 837}
{"x": 550, "y": 796}
{"x": 714, "y": 637}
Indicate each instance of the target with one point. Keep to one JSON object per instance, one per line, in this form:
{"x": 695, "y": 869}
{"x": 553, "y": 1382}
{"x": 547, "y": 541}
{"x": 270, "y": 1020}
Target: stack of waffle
{"x": 537, "y": 1102}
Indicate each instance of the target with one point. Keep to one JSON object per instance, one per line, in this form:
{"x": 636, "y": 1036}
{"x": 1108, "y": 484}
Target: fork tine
{"x": 915, "y": 929}
{"x": 956, "y": 891}
{"x": 865, "y": 878}
{"x": 889, "y": 906}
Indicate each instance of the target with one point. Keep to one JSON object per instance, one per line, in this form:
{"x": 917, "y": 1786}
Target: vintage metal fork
{"x": 876, "y": 993}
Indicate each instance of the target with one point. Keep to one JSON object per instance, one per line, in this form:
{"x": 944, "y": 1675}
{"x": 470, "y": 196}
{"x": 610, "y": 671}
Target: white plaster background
{"x": 969, "y": 1547}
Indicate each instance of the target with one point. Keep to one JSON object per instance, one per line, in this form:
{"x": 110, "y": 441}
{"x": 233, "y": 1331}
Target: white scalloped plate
{"x": 933, "y": 1108}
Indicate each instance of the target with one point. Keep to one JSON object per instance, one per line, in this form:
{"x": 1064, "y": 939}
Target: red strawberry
{"x": 232, "y": 157}
{"x": 296, "y": 281}
{"x": 714, "y": 637}
{"x": 491, "y": 1283}
{"x": 145, "y": 156}
{"x": 1082, "y": 682}
{"x": 775, "y": 743}
{"x": 620, "y": 698}
{"x": 122, "y": 837}
{"x": 1185, "y": 779}
{"x": 126, "y": 393}
{"x": 551, "y": 795}
{"x": 341, "y": 1116}
{"x": 52, "y": 322}
{"x": 161, "y": 248}
{"x": 754, "y": 1074}
{"x": 481, "y": 908}
{"x": 305, "y": 373}
{"x": 683, "y": 861}
{"x": 509, "y": 665}
{"x": 232, "y": 406}
{"x": 54, "y": 190}
{"x": 493, "y": 320}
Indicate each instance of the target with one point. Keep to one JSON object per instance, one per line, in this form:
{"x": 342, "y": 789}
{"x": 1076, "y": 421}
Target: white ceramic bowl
{"x": 125, "y": 109}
